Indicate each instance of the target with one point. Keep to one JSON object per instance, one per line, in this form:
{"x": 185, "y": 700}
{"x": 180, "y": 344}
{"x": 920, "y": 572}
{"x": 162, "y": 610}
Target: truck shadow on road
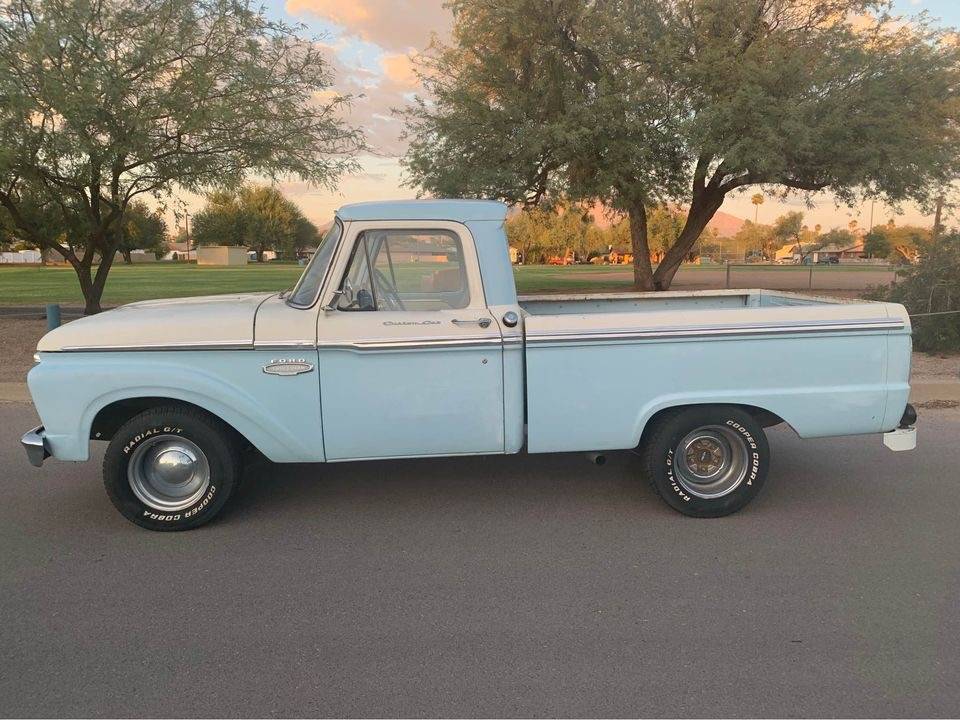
{"x": 554, "y": 483}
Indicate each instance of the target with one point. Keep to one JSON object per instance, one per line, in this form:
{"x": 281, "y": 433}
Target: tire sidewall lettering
{"x": 183, "y": 515}
{"x": 754, "y": 449}
{"x": 156, "y": 430}
{"x": 671, "y": 478}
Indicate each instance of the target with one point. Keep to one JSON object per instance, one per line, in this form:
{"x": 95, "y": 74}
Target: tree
{"x": 754, "y": 239}
{"x": 141, "y": 229}
{"x": 876, "y": 244}
{"x": 788, "y": 229}
{"x": 524, "y": 109}
{"x": 931, "y": 286}
{"x": 837, "y": 238}
{"x": 7, "y": 232}
{"x": 257, "y": 217}
{"x": 905, "y": 243}
{"x": 757, "y": 201}
{"x": 664, "y": 224}
{"x": 105, "y": 102}
{"x": 639, "y": 102}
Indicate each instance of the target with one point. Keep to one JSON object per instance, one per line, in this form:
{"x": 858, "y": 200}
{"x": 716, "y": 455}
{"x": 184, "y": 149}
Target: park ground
{"x": 32, "y": 285}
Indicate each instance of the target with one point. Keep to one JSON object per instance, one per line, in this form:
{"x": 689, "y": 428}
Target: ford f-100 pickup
{"x": 405, "y": 337}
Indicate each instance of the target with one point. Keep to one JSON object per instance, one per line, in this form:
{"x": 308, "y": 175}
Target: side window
{"x": 393, "y": 270}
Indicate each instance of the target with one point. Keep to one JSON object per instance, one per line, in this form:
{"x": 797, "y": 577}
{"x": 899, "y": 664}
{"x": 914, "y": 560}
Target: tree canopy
{"x": 258, "y": 217}
{"x": 142, "y": 229}
{"x": 105, "y": 101}
{"x": 639, "y": 102}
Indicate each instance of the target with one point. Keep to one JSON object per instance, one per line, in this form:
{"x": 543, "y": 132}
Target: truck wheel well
{"x": 764, "y": 417}
{"x": 112, "y": 416}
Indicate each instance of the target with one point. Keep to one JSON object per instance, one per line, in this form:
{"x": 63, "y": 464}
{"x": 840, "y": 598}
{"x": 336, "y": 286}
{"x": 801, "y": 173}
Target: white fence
{"x": 23, "y": 257}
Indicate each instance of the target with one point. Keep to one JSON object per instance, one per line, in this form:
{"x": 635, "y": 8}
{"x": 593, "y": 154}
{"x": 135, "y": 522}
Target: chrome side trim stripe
{"x": 368, "y": 345}
{"x": 165, "y": 347}
{"x": 414, "y": 344}
{"x": 716, "y": 331}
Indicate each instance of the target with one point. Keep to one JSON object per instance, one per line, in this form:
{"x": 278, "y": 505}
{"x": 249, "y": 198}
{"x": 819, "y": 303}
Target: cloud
{"x": 399, "y": 69}
{"x": 375, "y": 96}
{"x": 397, "y": 26}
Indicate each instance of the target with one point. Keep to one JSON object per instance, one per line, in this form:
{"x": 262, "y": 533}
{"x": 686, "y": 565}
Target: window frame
{"x": 321, "y": 287}
{"x": 469, "y": 258}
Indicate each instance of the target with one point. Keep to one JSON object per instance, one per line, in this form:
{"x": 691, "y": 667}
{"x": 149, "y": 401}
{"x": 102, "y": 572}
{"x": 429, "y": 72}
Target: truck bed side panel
{"x": 590, "y": 389}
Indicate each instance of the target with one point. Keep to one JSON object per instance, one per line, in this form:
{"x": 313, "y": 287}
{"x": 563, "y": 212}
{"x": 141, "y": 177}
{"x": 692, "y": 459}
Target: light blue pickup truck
{"x": 405, "y": 338}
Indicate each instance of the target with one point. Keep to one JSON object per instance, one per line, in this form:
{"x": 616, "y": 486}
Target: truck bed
{"x": 649, "y": 302}
{"x": 598, "y": 367}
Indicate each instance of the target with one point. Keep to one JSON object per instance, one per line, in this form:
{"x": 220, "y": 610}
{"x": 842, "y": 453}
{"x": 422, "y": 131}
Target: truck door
{"x": 411, "y": 361}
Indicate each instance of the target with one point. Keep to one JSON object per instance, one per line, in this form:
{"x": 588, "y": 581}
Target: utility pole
{"x": 186, "y": 215}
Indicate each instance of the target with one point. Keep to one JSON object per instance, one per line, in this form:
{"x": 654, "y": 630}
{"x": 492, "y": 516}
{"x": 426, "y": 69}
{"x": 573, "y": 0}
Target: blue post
{"x": 53, "y": 316}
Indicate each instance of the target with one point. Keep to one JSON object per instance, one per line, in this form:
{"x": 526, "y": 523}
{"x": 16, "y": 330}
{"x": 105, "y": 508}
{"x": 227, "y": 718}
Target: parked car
{"x": 405, "y": 337}
{"x": 828, "y": 260}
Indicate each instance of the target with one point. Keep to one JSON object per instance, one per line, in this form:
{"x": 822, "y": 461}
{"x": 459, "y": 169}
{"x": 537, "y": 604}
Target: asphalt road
{"x": 523, "y": 586}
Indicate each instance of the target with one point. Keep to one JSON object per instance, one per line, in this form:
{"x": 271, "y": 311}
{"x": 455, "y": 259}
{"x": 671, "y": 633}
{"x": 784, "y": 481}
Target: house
{"x": 793, "y": 252}
{"x": 841, "y": 253}
{"x": 180, "y": 251}
{"x": 221, "y": 255}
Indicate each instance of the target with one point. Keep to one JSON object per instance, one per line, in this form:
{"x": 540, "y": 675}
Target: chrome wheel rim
{"x": 168, "y": 473}
{"x": 711, "y": 461}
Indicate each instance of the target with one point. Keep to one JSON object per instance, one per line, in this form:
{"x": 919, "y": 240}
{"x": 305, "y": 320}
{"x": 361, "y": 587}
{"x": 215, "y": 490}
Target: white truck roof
{"x": 455, "y": 210}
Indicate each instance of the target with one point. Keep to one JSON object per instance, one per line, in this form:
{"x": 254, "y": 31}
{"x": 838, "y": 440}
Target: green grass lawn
{"x": 126, "y": 283}
{"x": 129, "y": 283}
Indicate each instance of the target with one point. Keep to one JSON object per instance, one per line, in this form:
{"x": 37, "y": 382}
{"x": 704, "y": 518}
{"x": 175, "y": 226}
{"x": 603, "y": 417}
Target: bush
{"x": 930, "y": 286}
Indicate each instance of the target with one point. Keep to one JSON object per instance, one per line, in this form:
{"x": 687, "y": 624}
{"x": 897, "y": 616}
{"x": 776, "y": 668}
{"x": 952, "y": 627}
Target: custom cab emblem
{"x": 286, "y": 367}
{"x": 412, "y": 322}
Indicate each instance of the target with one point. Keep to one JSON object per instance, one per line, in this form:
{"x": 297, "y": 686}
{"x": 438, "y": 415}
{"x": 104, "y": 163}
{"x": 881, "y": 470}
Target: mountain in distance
{"x": 725, "y": 224}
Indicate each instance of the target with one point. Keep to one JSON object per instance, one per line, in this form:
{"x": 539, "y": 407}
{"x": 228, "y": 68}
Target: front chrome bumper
{"x": 35, "y": 444}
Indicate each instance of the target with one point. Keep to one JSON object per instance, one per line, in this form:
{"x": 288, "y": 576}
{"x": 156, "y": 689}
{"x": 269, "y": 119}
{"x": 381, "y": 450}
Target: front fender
{"x": 280, "y": 416}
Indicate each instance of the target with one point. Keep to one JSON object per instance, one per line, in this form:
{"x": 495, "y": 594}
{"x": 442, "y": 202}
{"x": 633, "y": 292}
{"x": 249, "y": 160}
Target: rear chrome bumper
{"x": 35, "y": 444}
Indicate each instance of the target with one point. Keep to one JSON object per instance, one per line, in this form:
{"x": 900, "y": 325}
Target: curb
{"x": 14, "y": 392}
{"x": 931, "y": 392}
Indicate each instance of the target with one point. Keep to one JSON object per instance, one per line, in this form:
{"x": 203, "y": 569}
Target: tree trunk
{"x": 92, "y": 285}
{"x": 126, "y": 257}
{"x": 642, "y": 270}
{"x": 704, "y": 206}
{"x": 90, "y": 298}
{"x": 259, "y": 254}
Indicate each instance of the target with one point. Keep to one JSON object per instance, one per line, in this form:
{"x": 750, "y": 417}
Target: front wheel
{"x": 706, "y": 461}
{"x": 171, "y": 468}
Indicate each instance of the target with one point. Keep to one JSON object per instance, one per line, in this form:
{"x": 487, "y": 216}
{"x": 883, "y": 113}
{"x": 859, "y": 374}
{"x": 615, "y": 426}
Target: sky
{"x": 370, "y": 44}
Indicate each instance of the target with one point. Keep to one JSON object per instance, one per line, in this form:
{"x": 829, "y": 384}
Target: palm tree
{"x": 757, "y": 200}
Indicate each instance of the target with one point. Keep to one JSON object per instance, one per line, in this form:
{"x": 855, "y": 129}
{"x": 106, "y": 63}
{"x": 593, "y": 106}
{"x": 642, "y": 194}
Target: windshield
{"x": 308, "y": 287}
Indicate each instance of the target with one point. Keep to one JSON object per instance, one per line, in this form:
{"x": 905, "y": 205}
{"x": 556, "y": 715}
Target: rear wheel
{"x": 171, "y": 468}
{"x": 706, "y": 461}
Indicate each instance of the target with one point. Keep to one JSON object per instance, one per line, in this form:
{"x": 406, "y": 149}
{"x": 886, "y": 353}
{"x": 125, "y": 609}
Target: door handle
{"x": 482, "y": 322}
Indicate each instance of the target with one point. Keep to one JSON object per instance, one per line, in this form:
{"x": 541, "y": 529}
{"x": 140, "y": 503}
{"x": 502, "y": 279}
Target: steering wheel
{"x": 388, "y": 291}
